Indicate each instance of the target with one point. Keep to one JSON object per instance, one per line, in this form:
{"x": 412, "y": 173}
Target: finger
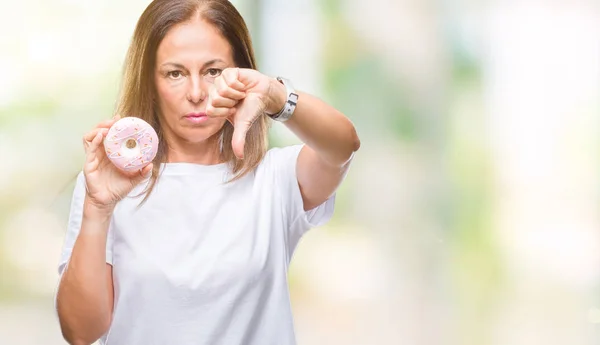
{"x": 219, "y": 98}
{"x": 146, "y": 172}
{"x": 209, "y": 103}
{"x": 218, "y": 101}
{"x": 218, "y": 112}
{"x": 92, "y": 160}
{"x": 95, "y": 143}
{"x": 91, "y": 163}
{"x": 231, "y": 78}
{"x": 89, "y": 136}
{"x": 249, "y": 77}
{"x": 106, "y": 123}
{"x": 138, "y": 176}
{"x": 225, "y": 91}
{"x": 102, "y": 126}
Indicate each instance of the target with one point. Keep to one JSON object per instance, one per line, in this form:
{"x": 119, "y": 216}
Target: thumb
{"x": 143, "y": 173}
{"x": 240, "y": 129}
{"x": 243, "y": 118}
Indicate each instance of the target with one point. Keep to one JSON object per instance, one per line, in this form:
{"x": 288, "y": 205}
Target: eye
{"x": 174, "y": 74}
{"x": 213, "y": 72}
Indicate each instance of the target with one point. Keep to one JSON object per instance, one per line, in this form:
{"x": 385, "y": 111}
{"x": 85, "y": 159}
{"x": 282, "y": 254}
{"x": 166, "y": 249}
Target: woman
{"x": 202, "y": 258}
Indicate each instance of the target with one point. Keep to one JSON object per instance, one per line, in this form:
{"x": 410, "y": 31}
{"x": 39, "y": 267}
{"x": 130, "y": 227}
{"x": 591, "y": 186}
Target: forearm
{"x": 83, "y": 298}
{"x": 320, "y": 126}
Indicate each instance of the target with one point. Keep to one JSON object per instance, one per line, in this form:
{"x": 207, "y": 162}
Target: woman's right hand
{"x": 105, "y": 183}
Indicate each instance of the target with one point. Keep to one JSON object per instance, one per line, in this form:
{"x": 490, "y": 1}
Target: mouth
{"x": 196, "y": 117}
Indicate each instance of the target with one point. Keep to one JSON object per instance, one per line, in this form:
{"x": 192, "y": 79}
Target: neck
{"x": 205, "y": 153}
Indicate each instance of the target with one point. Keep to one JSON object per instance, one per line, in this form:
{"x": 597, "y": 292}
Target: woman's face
{"x": 189, "y": 58}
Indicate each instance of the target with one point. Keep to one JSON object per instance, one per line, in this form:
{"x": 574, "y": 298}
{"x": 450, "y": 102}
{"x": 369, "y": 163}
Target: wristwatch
{"x": 290, "y": 104}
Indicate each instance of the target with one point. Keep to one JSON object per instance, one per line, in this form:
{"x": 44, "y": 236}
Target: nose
{"x": 196, "y": 92}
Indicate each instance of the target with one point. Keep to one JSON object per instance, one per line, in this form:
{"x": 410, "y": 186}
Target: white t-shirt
{"x": 204, "y": 262}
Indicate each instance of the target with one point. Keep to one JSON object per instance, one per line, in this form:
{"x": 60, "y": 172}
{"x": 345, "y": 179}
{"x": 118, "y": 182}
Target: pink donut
{"x": 131, "y": 143}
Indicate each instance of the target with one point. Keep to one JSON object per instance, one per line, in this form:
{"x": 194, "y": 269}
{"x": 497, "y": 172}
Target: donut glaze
{"x": 131, "y": 143}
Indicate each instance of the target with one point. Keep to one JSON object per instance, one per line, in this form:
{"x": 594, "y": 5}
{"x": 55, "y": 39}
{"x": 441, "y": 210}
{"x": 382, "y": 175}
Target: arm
{"x": 84, "y": 300}
{"x": 85, "y": 293}
{"x": 241, "y": 95}
{"x": 330, "y": 139}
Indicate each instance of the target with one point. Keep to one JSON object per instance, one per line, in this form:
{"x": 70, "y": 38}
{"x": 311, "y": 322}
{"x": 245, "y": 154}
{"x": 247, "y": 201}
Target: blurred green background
{"x": 470, "y": 215}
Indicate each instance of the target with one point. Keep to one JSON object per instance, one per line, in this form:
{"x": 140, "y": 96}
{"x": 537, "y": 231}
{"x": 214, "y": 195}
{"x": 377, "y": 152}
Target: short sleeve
{"x": 74, "y": 226}
{"x": 284, "y": 161}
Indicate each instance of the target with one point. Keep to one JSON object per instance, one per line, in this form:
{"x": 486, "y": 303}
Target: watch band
{"x": 290, "y": 104}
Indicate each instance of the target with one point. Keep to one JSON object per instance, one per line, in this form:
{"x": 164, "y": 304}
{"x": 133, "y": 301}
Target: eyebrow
{"x": 206, "y": 64}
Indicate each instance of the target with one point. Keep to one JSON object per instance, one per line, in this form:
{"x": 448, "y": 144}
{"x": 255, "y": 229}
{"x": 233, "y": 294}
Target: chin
{"x": 199, "y": 135}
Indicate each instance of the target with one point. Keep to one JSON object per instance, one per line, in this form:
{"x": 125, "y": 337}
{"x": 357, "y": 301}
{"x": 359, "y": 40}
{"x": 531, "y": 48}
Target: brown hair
{"x": 138, "y": 91}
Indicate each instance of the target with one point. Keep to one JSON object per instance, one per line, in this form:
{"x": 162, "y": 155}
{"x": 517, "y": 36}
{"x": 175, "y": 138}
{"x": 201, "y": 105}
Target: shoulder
{"x": 281, "y": 156}
{"x": 279, "y": 165}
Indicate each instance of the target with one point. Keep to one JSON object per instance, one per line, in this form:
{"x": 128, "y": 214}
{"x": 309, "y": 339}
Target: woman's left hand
{"x": 242, "y": 95}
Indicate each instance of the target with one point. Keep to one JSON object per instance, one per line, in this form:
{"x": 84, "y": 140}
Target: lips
{"x": 196, "y": 117}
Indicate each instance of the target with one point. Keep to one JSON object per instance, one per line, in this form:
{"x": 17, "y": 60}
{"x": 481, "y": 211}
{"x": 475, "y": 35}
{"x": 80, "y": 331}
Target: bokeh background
{"x": 470, "y": 215}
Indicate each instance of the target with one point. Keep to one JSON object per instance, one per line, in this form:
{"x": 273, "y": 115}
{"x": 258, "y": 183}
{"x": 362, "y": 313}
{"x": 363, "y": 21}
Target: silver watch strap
{"x": 290, "y": 104}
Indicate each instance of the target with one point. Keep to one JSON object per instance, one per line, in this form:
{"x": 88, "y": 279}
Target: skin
{"x": 194, "y": 73}
{"x": 189, "y": 60}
